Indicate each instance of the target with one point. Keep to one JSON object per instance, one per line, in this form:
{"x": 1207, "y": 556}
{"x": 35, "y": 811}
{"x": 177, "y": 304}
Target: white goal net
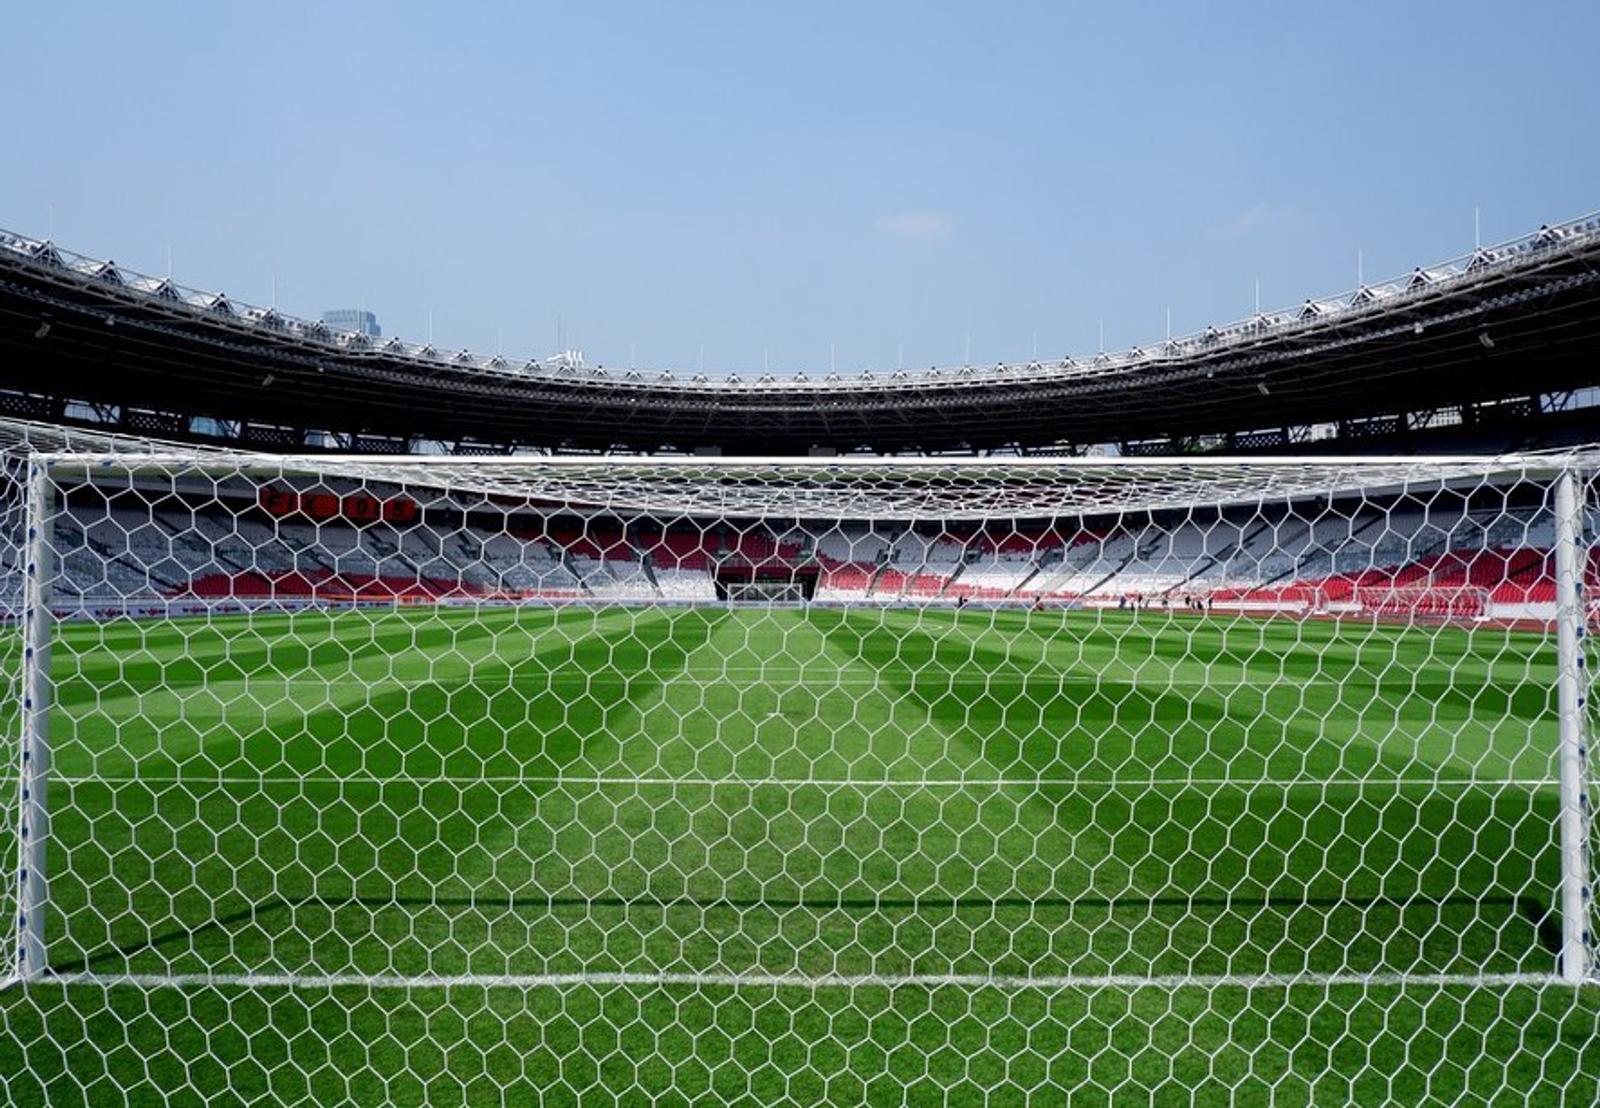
{"x": 482, "y": 781}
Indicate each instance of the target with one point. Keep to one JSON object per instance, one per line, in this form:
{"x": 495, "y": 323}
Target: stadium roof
{"x": 1502, "y": 324}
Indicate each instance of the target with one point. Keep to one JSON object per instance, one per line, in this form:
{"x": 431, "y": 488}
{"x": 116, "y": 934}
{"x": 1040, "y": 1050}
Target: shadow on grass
{"x": 1544, "y": 921}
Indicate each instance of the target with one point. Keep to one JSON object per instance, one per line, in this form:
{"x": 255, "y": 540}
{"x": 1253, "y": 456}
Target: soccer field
{"x": 443, "y": 856}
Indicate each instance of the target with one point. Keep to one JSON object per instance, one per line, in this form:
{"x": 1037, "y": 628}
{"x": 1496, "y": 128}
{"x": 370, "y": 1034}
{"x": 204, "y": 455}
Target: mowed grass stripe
{"x": 261, "y": 720}
{"x": 492, "y": 866}
{"x": 1080, "y": 722}
{"x": 341, "y": 870}
{"x": 671, "y": 1044}
{"x": 839, "y": 720}
{"x": 635, "y": 633}
{"x": 1276, "y": 653}
{"x": 279, "y": 649}
{"x": 1392, "y": 729}
{"x": 129, "y": 845}
{"x": 1188, "y": 850}
{"x": 194, "y": 652}
{"x": 1311, "y": 650}
{"x": 1503, "y": 729}
{"x": 513, "y": 878}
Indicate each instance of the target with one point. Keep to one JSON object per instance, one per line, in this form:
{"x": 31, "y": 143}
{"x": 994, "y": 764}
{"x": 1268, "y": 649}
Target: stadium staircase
{"x": 306, "y": 550}
{"x": 646, "y": 562}
{"x": 961, "y": 566}
{"x": 386, "y": 549}
{"x": 1293, "y": 572}
{"x": 127, "y": 561}
{"x": 1064, "y": 567}
{"x": 1211, "y": 561}
{"x": 217, "y": 551}
{"x": 877, "y": 575}
{"x": 1137, "y": 554}
{"x": 570, "y": 564}
{"x": 1038, "y": 567}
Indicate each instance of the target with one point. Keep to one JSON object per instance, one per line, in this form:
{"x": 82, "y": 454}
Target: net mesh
{"x": 435, "y": 781}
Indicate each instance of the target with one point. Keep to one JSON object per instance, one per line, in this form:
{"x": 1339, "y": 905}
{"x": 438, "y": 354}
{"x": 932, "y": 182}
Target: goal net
{"x": 367, "y": 781}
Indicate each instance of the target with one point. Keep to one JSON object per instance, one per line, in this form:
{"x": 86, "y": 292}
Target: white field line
{"x": 801, "y": 981}
{"x": 817, "y": 782}
{"x": 754, "y": 677}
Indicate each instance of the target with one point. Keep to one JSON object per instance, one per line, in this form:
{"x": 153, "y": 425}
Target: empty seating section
{"x": 992, "y": 578}
{"x": 1085, "y": 566}
{"x": 684, "y": 552}
{"x": 685, "y": 584}
{"x": 1411, "y": 559}
{"x": 849, "y": 558}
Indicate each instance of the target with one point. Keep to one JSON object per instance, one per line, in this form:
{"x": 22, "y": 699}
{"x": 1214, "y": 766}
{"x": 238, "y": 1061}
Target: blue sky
{"x": 862, "y": 182}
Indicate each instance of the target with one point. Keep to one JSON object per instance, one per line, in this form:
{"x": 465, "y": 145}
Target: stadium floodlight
{"x": 436, "y": 779}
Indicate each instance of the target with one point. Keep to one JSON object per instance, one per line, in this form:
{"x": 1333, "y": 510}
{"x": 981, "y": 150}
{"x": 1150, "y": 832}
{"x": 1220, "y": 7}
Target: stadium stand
{"x": 1429, "y": 561}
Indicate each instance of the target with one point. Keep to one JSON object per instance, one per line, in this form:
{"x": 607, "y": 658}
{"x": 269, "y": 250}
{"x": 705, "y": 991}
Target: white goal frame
{"x": 1576, "y": 964}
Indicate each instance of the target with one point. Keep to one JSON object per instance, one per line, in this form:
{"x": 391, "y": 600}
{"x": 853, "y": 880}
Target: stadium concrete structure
{"x": 1484, "y": 351}
{"x": 351, "y": 771}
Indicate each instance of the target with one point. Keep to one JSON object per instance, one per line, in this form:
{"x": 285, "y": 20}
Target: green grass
{"x": 800, "y": 793}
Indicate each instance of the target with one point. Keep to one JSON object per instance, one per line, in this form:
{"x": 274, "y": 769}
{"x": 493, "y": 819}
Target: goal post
{"x": 36, "y": 692}
{"x": 1572, "y": 559}
{"x": 663, "y": 777}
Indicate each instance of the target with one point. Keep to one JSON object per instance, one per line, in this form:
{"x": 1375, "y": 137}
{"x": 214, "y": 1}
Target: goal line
{"x": 809, "y": 982}
{"x": 886, "y": 784}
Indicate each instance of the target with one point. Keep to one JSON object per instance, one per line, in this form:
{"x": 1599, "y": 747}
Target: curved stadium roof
{"x": 1498, "y": 327}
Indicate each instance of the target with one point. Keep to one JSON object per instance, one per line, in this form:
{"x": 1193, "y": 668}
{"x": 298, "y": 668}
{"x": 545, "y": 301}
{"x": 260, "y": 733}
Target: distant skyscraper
{"x": 359, "y": 320}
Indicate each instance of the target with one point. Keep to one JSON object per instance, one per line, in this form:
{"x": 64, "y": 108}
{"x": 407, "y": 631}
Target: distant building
{"x": 359, "y": 320}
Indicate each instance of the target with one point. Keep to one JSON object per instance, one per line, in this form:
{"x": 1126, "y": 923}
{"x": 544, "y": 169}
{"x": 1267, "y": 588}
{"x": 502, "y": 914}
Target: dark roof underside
{"x": 1524, "y": 330}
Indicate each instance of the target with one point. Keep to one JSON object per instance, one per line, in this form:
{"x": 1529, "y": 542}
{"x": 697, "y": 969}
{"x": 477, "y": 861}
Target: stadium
{"x": 1484, "y": 350}
{"x": 1201, "y": 722}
